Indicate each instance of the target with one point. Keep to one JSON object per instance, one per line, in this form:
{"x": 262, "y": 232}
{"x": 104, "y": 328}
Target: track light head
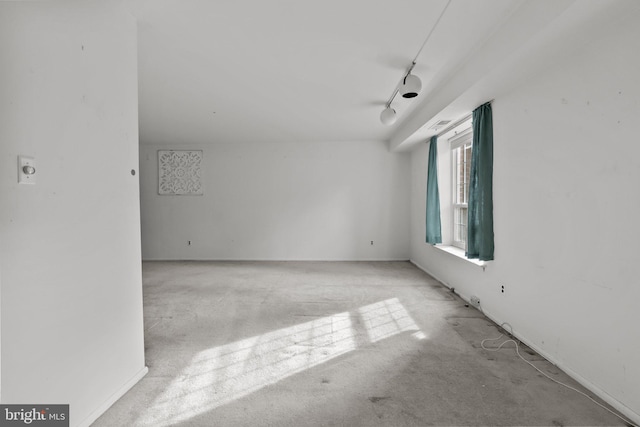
{"x": 388, "y": 116}
{"x": 410, "y": 87}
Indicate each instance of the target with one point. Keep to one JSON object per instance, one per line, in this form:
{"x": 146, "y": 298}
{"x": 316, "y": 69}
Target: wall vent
{"x": 440, "y": 124}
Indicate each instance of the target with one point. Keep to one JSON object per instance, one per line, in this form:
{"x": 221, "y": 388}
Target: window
{"x": 461, "y": 168}
{"x": 467, "y": 211}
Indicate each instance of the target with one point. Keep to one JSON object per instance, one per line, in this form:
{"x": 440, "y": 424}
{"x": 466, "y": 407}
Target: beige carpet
{"x": 330, "y": 344}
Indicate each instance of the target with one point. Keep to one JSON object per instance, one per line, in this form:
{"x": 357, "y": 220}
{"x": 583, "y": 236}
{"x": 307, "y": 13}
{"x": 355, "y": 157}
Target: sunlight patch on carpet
{"x": 222, "y": 374}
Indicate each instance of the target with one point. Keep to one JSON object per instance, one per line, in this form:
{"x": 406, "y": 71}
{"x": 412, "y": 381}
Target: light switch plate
{"x": 26, "y": 162}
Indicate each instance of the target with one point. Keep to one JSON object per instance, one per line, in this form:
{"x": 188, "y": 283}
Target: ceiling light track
{"x": 409, "y": 85}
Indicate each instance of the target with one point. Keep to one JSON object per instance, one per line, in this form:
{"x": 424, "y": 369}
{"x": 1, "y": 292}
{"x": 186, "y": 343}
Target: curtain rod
{"x": 454, "y": 124}
{"x": 458, "y": 122}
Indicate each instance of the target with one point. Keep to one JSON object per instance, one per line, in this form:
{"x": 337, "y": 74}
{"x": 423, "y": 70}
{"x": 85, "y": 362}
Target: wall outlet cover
{"x": 475, "y": 301}
{"x": 26, "y": 170}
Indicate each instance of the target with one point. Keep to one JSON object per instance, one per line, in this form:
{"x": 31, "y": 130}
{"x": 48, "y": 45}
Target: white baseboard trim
{"x": 606, "y": 397}
{"x": 599, "y": 392}
{"x": 113, "y": 398}
{"x": 617, "y": 405}
{"x": 423, "y": 268}
{"x": 280, "y": 260}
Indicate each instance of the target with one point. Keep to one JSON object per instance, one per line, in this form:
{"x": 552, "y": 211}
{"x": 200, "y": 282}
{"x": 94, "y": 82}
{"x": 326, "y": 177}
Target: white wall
{"x": 70, "y": 245}
{"x": 282, "y": 201}
{"x": 566, "y": 203}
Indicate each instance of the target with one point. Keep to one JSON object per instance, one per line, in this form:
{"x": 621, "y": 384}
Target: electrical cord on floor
{"x": 543, "y": 373}
{"x": 154, "y": 325}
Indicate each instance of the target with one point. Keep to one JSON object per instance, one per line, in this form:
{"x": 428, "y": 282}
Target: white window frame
{"x": 461, "y": 139}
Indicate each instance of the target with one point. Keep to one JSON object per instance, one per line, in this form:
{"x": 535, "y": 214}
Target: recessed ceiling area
{"x": 283, "y": 70}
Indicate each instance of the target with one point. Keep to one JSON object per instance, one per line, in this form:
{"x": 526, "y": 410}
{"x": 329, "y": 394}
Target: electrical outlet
{"x": 502, "y": 289}
{"x": 188, "y": 242}
{"x": 372, "y": 243}
{"x": 26, "y": 170}
{"x": 475, "y": 301}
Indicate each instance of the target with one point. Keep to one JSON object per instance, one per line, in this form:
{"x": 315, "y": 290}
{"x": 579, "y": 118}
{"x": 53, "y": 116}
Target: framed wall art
{"x": 180, "y": 173}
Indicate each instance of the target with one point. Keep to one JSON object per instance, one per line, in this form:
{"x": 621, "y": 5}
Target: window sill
{"x": 459, "y": 253}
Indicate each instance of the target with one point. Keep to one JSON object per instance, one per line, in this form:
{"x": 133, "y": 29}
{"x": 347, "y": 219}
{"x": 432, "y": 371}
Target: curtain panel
{"x": 480, "y": 243}
{"x": 434, "y": 229}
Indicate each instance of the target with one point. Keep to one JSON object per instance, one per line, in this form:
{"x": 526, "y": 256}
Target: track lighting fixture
{"x": 410, "y": 85}
{"x": 388, "y": 116}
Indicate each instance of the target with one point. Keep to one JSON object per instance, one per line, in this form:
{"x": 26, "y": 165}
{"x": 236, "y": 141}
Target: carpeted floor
{"x": 330, "y": 344}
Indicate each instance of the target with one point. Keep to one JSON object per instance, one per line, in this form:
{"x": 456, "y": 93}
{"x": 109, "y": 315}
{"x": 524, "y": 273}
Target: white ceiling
{"x": 284, "y": 70}
{"x": 303, "y": 71}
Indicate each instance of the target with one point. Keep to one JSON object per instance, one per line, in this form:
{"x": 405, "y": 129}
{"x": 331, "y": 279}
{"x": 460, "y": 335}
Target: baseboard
{"x": 280, "y": 260}
{"x": 606, "y": 397}
{"x": 113, "y": 398}
{"x": 426, "y": 270}
{"x": 599, "y": 392}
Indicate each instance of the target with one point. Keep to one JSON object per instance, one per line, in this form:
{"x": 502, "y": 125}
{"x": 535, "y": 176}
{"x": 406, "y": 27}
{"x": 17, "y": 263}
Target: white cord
{"x": 546, "y": 375}
{"x": 154, "y": 325}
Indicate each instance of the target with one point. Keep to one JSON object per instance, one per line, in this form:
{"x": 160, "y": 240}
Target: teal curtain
{"x": 434, "y": 233}
{"x": 480, "y": 219}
